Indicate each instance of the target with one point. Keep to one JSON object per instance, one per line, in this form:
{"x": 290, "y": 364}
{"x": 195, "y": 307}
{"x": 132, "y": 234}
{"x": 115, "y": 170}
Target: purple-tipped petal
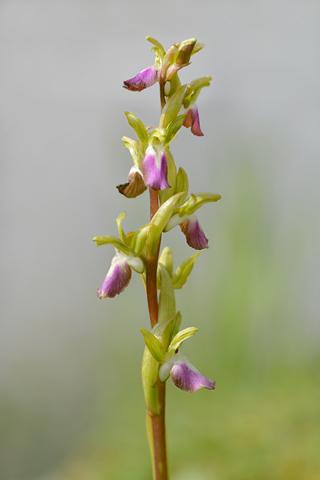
{"x": 117, "y": 279}
{"x": 135, "y": 185}
{"x": 154, "y": 168}
{"x": 192, "y": 120}
{"x": 144, "y": 79}
{"x": 186, "y": 377}
{"x": 194, "y": 234}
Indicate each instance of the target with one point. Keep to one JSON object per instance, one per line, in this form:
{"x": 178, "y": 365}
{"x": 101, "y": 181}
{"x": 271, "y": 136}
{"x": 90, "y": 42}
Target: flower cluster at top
{"x": 154, "y": 168}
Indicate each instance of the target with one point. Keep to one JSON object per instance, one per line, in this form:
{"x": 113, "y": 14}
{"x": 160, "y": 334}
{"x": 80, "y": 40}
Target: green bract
{"x": 138, "y": 127}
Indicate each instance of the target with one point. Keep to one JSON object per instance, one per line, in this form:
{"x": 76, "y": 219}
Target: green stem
{"x": 156, "y": 429}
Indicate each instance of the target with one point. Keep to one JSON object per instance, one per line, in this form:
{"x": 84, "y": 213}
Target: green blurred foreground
{"x": 243, "y": 432}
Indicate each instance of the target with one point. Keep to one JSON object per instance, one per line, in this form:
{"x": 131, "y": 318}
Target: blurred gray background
{"x": 69, "y": 361}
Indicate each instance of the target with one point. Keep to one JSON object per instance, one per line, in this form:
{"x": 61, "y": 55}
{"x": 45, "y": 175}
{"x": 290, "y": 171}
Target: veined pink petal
{"x": 186, "y": 377}
{"x": 154, "y": 168}
{"x": 194, "y": 234}
{"x": 144, "y": 79}
{"x": 117, "y": 279}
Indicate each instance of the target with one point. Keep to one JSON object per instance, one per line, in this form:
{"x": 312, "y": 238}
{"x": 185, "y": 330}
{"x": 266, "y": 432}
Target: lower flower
{"x": 184, "y": 375}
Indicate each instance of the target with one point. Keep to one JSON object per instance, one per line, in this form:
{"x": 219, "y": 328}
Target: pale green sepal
{"x": 174, "y": 127}
{"x": 149, "y": 373}
{"x": 110, "y": 240}
{"x": 121, "y": 232}
{"x": 139, "y": 239}
{"x": 154, "y": 345}
{"x": 166, "y": 259}
{"x": 135, "y": 149}
{"x": 196, "y": 201}
{"x": 171, "y": 177}
{"x": 167, "y": 305}
{"x": 182, "y": 185}
{"x": 179, "y": 338}
{"x": 172, "y": 107}
{"x": 138, "y": 126}
{"x": 156, "y": 44}
{"x": 183, "y": 271}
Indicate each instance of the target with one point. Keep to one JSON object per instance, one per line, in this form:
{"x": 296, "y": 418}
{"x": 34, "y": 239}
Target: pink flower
{"x": 192, "y": 120}
{"x": 184, "y": 375}
{"x": 154, "y": 168}
{"x": 144, "y": 79}
{"x": 119, "y": 274}
{"x": 194, "y": 234}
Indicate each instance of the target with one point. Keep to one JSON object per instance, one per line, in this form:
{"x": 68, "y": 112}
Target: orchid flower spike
{"x": 184, "y": 375}
{"x": 144, "y": 79}
{"x": 154, "y": 168}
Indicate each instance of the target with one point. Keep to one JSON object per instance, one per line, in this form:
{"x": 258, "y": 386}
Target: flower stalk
{"x": 154, "y": 169}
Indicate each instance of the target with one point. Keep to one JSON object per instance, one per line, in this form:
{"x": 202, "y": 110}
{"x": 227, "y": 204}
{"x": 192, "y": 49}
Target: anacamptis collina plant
{"x": 154, "y": 169}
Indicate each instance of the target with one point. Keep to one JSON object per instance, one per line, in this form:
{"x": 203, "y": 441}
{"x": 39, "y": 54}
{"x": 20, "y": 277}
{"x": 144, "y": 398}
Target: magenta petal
{"x": 194, "y": 234}
{"x": 192, "y": 120}
{"x": 186, "y": 377}
{"x": 144, "y": 79}
{"x": 117, "y": 279}
{"x": 154, "y": 168}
